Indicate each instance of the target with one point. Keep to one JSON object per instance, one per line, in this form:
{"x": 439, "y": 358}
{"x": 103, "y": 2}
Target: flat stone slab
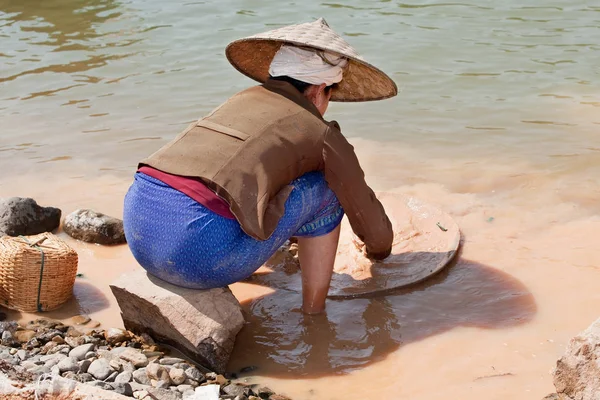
{"x": 202, "y": 324}
{"x": 425, "y": 240}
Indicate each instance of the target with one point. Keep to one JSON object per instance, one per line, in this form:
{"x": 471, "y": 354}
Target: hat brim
{"x": 362, "y": 81}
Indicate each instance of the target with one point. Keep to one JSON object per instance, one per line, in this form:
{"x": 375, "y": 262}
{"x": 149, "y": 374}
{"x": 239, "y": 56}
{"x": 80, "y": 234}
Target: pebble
{"x": 123, "y": 389}
{"x": 164, "y": 394}
{"x": 89, "y": 354}
{"x": 100, "y": 369}
{"x": 236, "y": 390}
{"x": 157, "y": 372}
{"x": 141, "y": 394}
{"x": 264, "y": 392}
{"x": 160, "y": 384}
{"x": 58, "y": 339}
{"x": 177, "y": 376}
{"x": 112, "y": 377}
{"x": 185, "y": 388}
{"x": 84, "y": 365}
{"x": 81, "y": 351}
{"x": 74, "y": 341}
{"x": 114, "y": 335}
{"x": 85, "y": 377}
{"x": 194, "y": 374}
{"x": 81, "y": 320}
{"x": 68, "y": 364}
{"x": 93, "y": 324}
{"x": 124, "y": 377}
{"x": 24, "y": 336}
{"x": 101, "y": 384}
{"x": 140, "y": 376}
{"x": 115, "y": 364}
{"x": 134, "y": 356}
{"x": 48, "y": 346}
{"x": 170, "y": 361}
{"x": 73, "y": 332}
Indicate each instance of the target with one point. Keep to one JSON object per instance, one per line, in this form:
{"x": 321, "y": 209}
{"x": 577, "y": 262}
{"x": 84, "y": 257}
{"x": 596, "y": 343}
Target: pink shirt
{"x": 194, "y": 188}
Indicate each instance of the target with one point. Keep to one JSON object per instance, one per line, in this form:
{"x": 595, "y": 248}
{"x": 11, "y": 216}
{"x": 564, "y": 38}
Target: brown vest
{"x": 248, "y": 151}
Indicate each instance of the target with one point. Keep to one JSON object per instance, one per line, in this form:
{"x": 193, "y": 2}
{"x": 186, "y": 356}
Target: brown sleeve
{"x": 347, "y": 179}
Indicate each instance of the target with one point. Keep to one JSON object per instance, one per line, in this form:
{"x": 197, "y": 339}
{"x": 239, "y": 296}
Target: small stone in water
{"x": 93, "y": 324}
{"x": 81, "y": 320}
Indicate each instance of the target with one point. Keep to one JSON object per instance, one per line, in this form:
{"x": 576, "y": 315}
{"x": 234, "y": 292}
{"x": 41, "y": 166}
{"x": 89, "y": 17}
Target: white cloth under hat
{"x": 311, "y": 66}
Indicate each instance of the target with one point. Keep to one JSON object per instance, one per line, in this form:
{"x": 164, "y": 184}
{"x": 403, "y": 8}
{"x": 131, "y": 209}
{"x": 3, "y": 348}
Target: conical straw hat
{"x": 362, "y": 81}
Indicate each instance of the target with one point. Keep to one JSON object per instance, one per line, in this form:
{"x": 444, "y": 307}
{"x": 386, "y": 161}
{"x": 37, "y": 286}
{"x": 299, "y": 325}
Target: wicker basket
{"x": 37, "y": 273}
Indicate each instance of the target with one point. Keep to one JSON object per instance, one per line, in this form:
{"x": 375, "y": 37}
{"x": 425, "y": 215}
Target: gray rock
{"x": 182, "y": 365}
{"x": 138, "y": 386}
{"x": 240, "y": 397}
{"x": 157, "y": 372}
{"x": 124, "y": 377}
{"x": 177, "y": 376}
{"x": 140, "y": 376}
{"x": 94, "y": 227}
{"x": 577, "y": 371}
{"x": 22, "y": 354}
{"x": 23, "y": 216}
{"x": 52, "y": 359}
{"x": 161, "y": 384}
{"x": 10, "y": 326}
{"x": 123, "y": 389}
{"x": 236, "y": 390}
{"x": 85, "y": 377}
{"x": 101, "y": 385}
{"x": 40, "y": 370}
{"x": 100, "y": 369}
{"x": 74, "y": 341}
{"x": 170, "y": 361}
{"x": 202, "y": 324}
{"x": 80, "y": 352}
{"x": 164, "y": 394}
{"x": 68, "y": 364}
{"x": 185, "y": 388}
{"x": 134, "y": 356}
{"x": 89, "y": 354}
{"x": 112, "y": 377}
{"x": 195, "y": 375}
{"x": 84, "y": 365}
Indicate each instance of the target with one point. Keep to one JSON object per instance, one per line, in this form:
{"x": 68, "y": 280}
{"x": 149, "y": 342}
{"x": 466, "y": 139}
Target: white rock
{"x": 208, "y": 392}
{"x": 68, "y": 364}
{"x": 177, "y": 376}
{"x": 80, "y": 352}
{"x": 124, "y": 377}
{"x": 100, "y": 369}
{"x": 134, "y": 356}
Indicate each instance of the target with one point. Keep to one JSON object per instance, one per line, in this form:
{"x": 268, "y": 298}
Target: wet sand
{"x": 491, "y": 326}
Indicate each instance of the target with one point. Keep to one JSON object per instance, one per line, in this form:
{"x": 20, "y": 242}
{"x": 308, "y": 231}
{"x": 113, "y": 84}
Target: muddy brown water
{"x": 496, "y": 124}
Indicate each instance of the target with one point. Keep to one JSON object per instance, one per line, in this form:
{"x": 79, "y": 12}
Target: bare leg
{"x": 317, "y": 256}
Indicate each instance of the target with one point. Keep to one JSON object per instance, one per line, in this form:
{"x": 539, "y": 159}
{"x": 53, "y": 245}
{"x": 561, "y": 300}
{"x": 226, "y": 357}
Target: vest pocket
{"x": 213, "y": 126}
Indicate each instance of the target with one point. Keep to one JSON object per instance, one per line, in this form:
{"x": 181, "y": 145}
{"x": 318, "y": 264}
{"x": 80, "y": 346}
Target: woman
{"x": 213, "y": 205}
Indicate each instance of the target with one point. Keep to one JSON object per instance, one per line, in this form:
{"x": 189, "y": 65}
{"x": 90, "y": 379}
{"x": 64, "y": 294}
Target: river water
{"x": 496, "y": 123}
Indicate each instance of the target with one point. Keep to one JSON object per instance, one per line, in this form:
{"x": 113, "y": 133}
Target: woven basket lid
{"x": 362, "y": 81}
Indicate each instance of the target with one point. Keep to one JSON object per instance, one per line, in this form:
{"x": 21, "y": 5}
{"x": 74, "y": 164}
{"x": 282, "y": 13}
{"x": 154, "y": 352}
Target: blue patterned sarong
{"x": 178, "y": 240}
